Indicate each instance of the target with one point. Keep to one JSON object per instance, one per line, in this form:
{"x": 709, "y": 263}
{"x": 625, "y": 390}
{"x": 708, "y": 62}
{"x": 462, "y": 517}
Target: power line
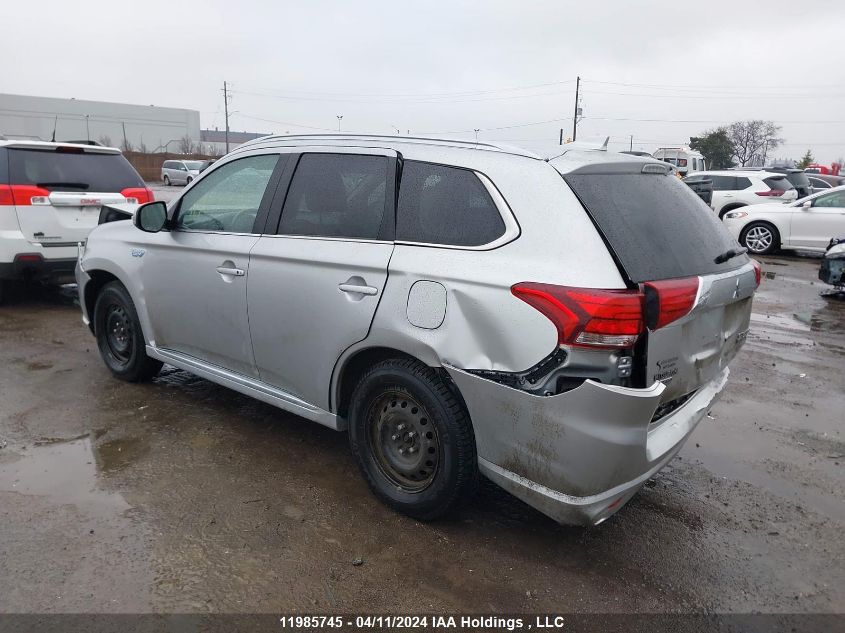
{"x": 705, "y": 88}
{"x": 720, "y": 97}
{"x": 433, "y": 100}
{"x": 464, "y": 93}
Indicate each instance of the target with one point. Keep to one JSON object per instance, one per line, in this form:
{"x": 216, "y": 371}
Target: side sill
{"x": 248, "y": 386}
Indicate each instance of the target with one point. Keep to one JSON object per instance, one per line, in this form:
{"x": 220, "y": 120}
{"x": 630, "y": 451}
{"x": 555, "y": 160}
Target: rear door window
{"x": 73, "y": 170}
{"x": 741, "y": 182}
{"x": 445, "y": 205}
{"x": 656, "y": 227}
{"x": 337, "y": 195}
{"x": 228, "y": 199}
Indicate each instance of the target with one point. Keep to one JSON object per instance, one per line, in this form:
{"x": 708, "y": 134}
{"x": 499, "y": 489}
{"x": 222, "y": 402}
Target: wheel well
{"x": 774, "y": 229}
{"x": 99, "y": 278}
{"x": 730, "y": 207}
{"x": 356, "y": 366}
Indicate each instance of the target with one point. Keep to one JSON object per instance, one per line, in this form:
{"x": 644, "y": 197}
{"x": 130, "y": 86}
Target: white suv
{"x": 51, "y": 195}
{"x": 733, "y": 189}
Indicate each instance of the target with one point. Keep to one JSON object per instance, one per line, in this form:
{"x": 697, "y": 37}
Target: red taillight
{"x": 6, "y": 197}
{"x": 140, "y": 195}
{"x": 587, "y": 316}
{"x": 26, "y": 195}
{"x": 669, "y": 300}
{"x": 758, "y": 271}
{"x": 595, "y": 317}
{"x": 29, "y": 258}
{"x": 775, "y": 193}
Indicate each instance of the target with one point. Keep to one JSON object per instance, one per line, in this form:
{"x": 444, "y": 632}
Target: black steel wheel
{"x": 412, "y": 438}
{"x": 119, "y": 336}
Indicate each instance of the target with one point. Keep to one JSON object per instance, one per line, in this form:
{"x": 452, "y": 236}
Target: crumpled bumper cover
{"x": 580, "y": 455}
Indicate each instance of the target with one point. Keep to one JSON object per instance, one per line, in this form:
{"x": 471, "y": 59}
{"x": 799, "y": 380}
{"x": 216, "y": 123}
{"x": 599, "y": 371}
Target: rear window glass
{"x": 724, "y": 183}
{"x": 445, "y": 205}
{"x": 655, "y": 225}
{"x": 71, "y": 171}
{"x": 798, "y": 179}
{"x": 778, "y": 182}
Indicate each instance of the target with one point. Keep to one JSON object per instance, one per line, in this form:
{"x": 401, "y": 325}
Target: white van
{"x": 687, "y": 160}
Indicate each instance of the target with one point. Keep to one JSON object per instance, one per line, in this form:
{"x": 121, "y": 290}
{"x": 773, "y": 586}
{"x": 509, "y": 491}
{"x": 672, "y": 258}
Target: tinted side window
{"x": 336, "y": 195}
{"x": 445, "y": 205}
{"x": 228, "y": 198}
{"x": 819, "y": 184}
{"x": 741, "y": 182}
{"x": 723, "y": 183}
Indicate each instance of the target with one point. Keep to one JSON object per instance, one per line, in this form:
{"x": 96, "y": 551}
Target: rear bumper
{"x": 581, "y": 455}
{"x": 56, "y": 271}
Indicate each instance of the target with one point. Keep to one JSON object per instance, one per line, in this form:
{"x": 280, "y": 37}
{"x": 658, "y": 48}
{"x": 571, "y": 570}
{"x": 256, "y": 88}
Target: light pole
{"x": 477, "y": 130}
{"x": 87, "y": 129}
{"x": 397, "y": 130}
{"x": 339, "y": 117}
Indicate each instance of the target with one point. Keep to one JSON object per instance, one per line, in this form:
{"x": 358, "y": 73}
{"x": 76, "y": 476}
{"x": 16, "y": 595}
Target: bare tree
{"x": 142, "y": 147}
{"x": 105, "y": 139}
{"x": 753, "y": 140}
{"x": 126, "y": 146}
{"x": 186, "y": 145}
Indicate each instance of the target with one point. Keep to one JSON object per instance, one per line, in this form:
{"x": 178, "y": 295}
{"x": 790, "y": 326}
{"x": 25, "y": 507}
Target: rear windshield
{"x": 72, "y": 171}
{"x": 781, "y": 183}
{"x": 798, "y": 178}
{"x": 655, "y": 225}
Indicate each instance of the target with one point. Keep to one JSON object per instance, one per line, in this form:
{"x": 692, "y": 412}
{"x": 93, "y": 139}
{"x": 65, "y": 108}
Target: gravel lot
{"x": 183, "y": 496}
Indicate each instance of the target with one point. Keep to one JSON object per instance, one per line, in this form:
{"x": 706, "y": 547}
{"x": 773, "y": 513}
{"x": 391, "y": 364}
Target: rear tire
{"x": 166, "y": 180}
{"x": 760, "y": 238}
{"x": 119, "y": 336}
{"x": 412, "y": 439}
{"x": 190, "y": 180}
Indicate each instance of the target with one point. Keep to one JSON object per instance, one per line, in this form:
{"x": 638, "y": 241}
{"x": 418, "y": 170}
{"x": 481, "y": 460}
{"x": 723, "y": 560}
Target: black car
{"x": 824, "y": 181}
{"x": 702, "y": 186}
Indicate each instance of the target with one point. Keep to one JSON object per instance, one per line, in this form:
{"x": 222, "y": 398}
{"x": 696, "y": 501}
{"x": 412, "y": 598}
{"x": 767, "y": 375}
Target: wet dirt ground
{"x": 179, "y": 495}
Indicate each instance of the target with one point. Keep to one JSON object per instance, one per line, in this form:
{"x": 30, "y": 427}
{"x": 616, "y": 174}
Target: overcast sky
{"x": 660, "y": 71}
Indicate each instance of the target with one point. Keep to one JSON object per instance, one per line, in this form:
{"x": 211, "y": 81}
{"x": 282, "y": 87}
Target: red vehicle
{"x": 815, "y": 168}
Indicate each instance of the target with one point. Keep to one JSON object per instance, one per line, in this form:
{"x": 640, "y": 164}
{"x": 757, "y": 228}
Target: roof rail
{"x": 423, "y": 140}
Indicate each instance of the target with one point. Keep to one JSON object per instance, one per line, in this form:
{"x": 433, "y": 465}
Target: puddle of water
{"x": 119, "y": 453}
{"x": 66, "y": 472}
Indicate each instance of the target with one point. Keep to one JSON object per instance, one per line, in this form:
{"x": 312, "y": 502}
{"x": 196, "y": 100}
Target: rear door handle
{"x": 235, "y": 272}
{"x": 363, "y": 290}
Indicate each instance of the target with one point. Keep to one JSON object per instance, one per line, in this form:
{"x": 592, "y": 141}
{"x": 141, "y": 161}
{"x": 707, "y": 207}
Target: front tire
{"x": 119, "y": 336}
{"x": 760, "y": 238}
{"x": 166, "y": 180}
{"x": 412, "y": 439}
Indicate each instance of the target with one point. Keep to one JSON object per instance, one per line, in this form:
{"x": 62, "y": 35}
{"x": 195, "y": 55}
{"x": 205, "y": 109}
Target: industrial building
{"x": 140, "y": 127}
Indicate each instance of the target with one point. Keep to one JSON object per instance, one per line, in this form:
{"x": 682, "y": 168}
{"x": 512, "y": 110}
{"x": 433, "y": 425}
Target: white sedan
{"x": 806, "y": 224}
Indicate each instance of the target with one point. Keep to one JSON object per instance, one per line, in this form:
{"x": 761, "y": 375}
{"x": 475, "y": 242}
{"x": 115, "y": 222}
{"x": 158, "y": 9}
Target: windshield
{"x": 194, "y": 164}
{"x": 655, "y": 225}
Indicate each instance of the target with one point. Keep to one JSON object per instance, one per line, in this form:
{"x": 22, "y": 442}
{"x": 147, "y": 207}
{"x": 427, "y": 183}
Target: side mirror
{"x": 151, "y": 217}
{"x": 807, "y": 204}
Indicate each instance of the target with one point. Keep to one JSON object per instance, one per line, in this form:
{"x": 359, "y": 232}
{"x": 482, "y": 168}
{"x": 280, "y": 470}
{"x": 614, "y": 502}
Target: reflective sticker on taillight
{"x": 593, "y": 317}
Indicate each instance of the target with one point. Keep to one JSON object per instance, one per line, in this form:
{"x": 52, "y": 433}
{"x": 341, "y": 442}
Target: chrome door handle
{"x": 362, "y": 290}
{"x": 235, "y": 272}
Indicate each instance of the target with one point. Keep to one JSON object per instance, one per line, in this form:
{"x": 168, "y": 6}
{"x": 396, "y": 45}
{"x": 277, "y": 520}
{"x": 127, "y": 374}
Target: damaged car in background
{"x": 559, "y": 324}
{"x": 832, "y": 270}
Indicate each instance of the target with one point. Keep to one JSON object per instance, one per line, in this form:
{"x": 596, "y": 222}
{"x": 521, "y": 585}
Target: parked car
{"x": 685, "y": 159}
{"x": 806, "y": 224}
{"x": 797, "y": 177}
{"x": 823, "y": 181}
{"x": 50, "y": 199}
{"x": 180, "y": 172}
{"x": 832, "y": 270}
{"x": 733, "y": 189}
{"x": 559, "y": 324}
{"x": 702, "y": 185}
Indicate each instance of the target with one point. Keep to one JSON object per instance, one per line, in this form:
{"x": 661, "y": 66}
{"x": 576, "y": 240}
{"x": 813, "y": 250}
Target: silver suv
{"x": 181, "y": 172}
{"x": 559, "y": 325}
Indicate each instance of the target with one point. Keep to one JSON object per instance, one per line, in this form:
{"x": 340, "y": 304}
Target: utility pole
{"x": 87, "y": 129}
{"x": 632, "y": 142}
{"x": 125, "y": 144}
{"x": 575, "y": 115}
{"x": 339, "y": 117}
{"x": 560, "y": 142}
{"x": 226, "y": 110}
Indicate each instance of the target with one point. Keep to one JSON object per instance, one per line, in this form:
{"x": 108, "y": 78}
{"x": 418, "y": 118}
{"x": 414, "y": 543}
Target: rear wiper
{"x": 75, "y": 185}
{"x": 729, "y": 254}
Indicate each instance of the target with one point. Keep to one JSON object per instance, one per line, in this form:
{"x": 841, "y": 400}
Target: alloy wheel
{"x": 759, "y": 239}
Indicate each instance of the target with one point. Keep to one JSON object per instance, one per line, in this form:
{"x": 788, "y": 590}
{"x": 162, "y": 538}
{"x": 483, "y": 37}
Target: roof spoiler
{"x": 594, "y": 146}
